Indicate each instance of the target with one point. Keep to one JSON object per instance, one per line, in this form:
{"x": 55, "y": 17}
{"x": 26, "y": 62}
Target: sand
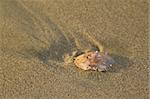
{"x": 35, "y": 36}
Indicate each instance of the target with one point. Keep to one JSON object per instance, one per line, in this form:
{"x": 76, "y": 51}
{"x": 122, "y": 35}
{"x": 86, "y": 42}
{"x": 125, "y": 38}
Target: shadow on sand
{"x": 121, "y": 63}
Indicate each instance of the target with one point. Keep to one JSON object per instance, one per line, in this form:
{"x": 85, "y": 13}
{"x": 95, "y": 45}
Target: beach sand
{"x": 35, "y": 36}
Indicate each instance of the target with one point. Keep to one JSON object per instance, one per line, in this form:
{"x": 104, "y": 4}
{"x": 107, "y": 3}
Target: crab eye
{"x": 96, "y": 51}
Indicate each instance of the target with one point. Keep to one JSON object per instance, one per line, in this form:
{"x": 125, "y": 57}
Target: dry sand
{"x": 36, "y": 34}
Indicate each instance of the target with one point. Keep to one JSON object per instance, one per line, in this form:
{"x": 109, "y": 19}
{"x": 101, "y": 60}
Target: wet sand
{"x": 35, "y": 35}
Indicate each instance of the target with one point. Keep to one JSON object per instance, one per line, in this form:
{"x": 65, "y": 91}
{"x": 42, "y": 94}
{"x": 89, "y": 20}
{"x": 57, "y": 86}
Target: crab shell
{"x": 93, "y": 61}
{"x": 83, "y": 62}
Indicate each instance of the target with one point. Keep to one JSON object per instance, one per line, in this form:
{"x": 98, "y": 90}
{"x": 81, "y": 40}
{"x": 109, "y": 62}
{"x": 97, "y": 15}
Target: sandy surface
{"x": 36, "y": 34}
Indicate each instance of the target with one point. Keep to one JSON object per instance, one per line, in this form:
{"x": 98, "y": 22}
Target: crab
{"x": 94, "y": 60}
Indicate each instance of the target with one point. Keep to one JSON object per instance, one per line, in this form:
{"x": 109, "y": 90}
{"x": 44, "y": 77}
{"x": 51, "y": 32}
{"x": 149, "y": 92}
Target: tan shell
{"x": 94, "y": 61}
{"x": 87, "y": 61}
